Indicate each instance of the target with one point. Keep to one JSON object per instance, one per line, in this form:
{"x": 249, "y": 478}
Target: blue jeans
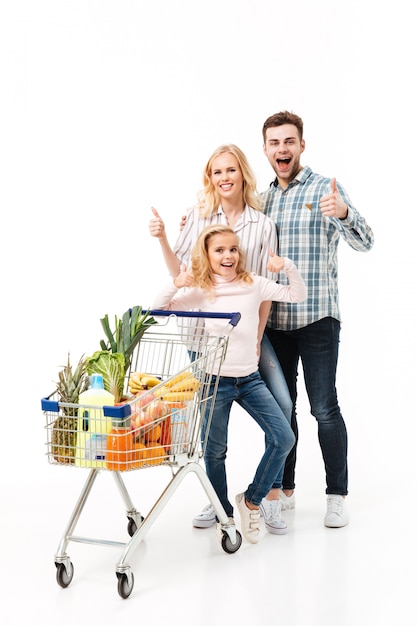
{"x": 317, "y": 345}
{"x": 271, "y": 372}
{"x": 252, "y": 394}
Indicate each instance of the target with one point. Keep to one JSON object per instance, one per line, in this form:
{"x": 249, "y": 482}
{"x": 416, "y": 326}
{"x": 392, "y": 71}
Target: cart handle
{"x": 232, "y": 317}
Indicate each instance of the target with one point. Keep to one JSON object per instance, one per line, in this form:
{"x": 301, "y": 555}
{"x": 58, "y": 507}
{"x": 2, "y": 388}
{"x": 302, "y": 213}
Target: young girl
{"x": 218, "y": 281}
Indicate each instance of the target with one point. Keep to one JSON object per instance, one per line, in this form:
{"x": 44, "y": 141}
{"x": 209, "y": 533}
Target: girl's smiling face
{"x": 223, "y": 254}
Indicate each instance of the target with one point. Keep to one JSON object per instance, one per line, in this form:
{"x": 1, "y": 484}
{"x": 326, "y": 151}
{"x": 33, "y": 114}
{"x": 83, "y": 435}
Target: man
{"x": 311, "y": 213}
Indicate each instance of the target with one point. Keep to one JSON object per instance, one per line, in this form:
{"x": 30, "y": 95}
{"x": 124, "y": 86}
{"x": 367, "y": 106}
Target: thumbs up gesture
{"x": 332, "y": 204}
{"x": 156, "y": 225}
{"x": 275, "y": 263}
{"x": 184, "y": 278}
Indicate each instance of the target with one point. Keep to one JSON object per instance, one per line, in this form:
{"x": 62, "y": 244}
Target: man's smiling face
{"x": 283, "y": 149}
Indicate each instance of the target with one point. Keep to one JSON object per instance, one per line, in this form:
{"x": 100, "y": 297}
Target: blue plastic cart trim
{"x": 118, "y": 412}
{"x": 50, "y": 405}
{"x": 233, "y": 317}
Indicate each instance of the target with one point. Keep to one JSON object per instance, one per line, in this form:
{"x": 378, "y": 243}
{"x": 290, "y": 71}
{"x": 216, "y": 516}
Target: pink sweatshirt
{"x": 241, "y": 357}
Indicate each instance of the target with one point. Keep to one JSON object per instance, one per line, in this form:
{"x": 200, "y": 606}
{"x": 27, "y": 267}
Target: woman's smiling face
{"x": 226, "y": 176}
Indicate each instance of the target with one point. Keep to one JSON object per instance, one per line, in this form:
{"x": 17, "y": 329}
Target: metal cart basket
{"x": 160, "y": 425}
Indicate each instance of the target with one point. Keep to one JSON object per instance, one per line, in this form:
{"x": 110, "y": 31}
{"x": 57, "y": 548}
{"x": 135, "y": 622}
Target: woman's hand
{"x": 156, "y": 225}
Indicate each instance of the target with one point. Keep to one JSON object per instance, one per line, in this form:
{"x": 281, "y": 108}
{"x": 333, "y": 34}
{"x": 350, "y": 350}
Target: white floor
{"x": 363, "y": 574}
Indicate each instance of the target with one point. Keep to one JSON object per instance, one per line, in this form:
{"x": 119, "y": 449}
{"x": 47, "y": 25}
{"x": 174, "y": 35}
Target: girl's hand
{"x": 156, "y": 225}
{"x": 276, "y": 263}
{"x": 184, "y": 278}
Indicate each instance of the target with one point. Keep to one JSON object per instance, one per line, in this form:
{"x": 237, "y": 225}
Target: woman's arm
{"x": 157, "y": 229}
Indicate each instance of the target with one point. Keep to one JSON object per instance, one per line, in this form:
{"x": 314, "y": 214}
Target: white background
{"x": 109, "y": 107}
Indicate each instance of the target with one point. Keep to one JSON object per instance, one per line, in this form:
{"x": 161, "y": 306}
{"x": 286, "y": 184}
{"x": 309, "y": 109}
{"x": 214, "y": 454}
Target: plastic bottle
{"x": 120, "y": 445}
{"x": 92, "y": 425}
{"x": 178, "y": 427}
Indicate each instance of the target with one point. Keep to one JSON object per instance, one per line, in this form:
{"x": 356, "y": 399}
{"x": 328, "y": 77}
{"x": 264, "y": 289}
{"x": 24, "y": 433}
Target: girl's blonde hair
{"x": 208, "y": 198}
{"x": 200, "y": 265}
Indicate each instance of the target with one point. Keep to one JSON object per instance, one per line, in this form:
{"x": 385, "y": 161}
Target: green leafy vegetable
{"x": 127, "y": 333}
{"x": 112, "y": 367}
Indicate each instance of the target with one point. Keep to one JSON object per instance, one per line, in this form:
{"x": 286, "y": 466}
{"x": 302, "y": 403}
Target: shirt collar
{"x": 248, "y": 215}
{"x": 298, "y": 180}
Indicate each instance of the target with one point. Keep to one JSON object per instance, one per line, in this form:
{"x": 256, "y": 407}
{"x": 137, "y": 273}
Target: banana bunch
{"x": 139, "y": 381}
{"x": 180, "y": 388}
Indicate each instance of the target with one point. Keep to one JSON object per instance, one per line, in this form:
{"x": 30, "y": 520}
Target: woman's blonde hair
{"x": 208, "y": 198}
{"x": 200, "y": 265}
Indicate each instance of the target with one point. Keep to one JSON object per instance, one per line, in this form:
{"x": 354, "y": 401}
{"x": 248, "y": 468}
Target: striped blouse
{"x": 256, "y": 232}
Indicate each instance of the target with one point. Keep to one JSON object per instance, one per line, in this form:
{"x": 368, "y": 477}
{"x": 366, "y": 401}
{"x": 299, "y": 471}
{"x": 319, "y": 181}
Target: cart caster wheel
{"x": 227, "y": 544}
{"x": 64, "y": 577}
{"x": 123, "y": 586}
{"x": 132, "y": 527}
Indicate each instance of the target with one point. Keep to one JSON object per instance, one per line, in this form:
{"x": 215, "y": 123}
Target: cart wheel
{"x": 227, "y": 544}
{"x": 123, "y": 586}
{"x": 132, "y": 527}
{"x": 63, "y": 577}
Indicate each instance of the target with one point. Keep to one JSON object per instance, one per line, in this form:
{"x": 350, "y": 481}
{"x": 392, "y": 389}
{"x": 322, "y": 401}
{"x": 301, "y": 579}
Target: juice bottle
{"x": 178, "y": 424}
{"x": 92, "y": 425}
{"x": 119, "y": 454}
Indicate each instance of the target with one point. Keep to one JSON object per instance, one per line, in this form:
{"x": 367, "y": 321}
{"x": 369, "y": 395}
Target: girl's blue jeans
{"x": 252, "y": 394}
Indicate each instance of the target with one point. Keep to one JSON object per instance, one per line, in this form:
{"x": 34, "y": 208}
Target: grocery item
{"x": 71, "y": 383}
{"x": 92, "y": 425}
{"x": 120, "y": 445}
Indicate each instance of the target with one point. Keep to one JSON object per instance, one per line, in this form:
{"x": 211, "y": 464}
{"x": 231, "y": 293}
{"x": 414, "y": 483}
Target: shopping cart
{"x": 158, "y": 426}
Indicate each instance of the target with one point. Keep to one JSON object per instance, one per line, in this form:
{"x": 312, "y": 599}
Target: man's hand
{"x": 332, "y": 205}
{"x": 276, "y": 263}
{"x": 156, "y": 225}
{"x": 184, "y": 278}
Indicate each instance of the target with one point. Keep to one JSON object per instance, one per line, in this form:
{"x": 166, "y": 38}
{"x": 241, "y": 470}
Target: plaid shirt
{"x": 311, "y": 241}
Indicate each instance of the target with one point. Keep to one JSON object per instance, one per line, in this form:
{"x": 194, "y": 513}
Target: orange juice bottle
{"x": 119, "y": 453}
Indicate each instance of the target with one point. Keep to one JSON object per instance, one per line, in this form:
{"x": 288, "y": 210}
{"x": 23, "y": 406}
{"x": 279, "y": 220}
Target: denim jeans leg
{"x": 255, "y": 397}
{"x": 319, "y": 349}
{"x": 216, "y": 446}
{"x": 286, "y": 349}
{"x": 271, "y": 372}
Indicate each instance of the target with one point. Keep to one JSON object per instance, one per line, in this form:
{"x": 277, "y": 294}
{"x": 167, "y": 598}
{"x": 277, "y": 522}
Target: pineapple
{"x": 64, "y": 431}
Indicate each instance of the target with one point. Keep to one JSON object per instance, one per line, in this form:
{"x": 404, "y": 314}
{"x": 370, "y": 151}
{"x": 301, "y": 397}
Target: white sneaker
{"x": 205, "y": 519}
{"x": 287, "y": 502}
{"x": 249, "y": 520}
{"x": 336, "y": 515}
{"x": 271, "y": 512}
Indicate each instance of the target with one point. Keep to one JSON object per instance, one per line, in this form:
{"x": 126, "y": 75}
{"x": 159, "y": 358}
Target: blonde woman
{"x": 229, "y": 196}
